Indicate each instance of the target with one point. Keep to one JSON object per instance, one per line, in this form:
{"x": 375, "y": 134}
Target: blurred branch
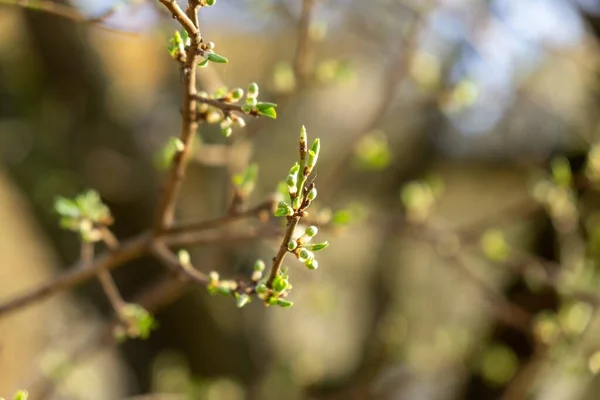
{"x": 71, "y": 13}
{"x": 189, "y": 125}
{"x": 396, "y": 74}
{"x": 153, "y": 298}
{"x": 304, "y": 58}
{"x": 129, "y": 250}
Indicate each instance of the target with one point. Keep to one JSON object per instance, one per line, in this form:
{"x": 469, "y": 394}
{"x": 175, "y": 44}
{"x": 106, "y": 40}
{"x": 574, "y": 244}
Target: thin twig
{"x": 283, "y": 250}
{"x": 106, "y": 281}
{"x": 304, "y": 58}
{"x": 396, "y": 74}
{"x": 129, "y": 250}
{"x": 152, "y": 298}
{"x": 189, "y": 126}
{"x": 166, "y": 256}
{"x": 257, "y": 211}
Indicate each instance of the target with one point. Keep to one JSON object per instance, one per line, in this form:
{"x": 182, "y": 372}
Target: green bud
{"x": 283, "y": 303}
{"x": 241, "y": 299}
{"x": 237, "y": 94}
{"x": 251, "y": 101}
{"x": 256, "y": 276}
{"x": 214, "y": 57}
{"x": 239, "y": 122}
{"x": 316, "y": 246}
{"x": 295, "y": 169}
{"x": 312, "y": 194}
{"x": 316, "y": 146}
{"x": 292, "y": 244}
{"x": 273, "y": 301}
{"x": 213, "y": 117}
{"x": 283, "y": 210}
{"x": 261, "y": 288}
{"x": 312, "y": 160}
{"x": 311, "y": 231}
{"x": 312, "y": 264}
{"x": 203, "y": 63}
{"x": 21, "y": 395}
{"x": 184, "y": 257}
{"x": 259, "y": 265}
{"x": 226, "y": 123}
{"x": 296, "y": 203}
{"x": 291, "y": 180}
{"x": 223, "y": 290}
{"x": 279, "y": 284}
{"x": 305, "y": 255}
{"x": 210, "y": 2}
{"x": 303, "y": 136}
{"x": 247, "y": 108}
{"x": 226, "y": 131}
{"x": 253, "y": 90}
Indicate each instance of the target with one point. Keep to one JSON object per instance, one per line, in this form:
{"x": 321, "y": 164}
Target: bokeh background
{"x": 458, "y": 161}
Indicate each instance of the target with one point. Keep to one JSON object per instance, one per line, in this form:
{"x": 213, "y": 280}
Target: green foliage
{"x": 137, "y": 323}
{"x": 20, "y": 395}
{"x": 83, "y": 214}
{"x": 494, "y": 245}
{"x": 245, "y": 181}
{"x": 372, "y": 152}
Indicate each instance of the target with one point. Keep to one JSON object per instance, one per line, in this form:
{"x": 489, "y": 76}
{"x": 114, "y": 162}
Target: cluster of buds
{"x": 221, "y": 105}
{"x": 274, "y": 296}
{"x": 180, "y": 43}
{"x": 303, "y": 250}
{"x": 136, "y": 322}
{"x": 300, "y": 194}
{"x": 85, "y": 214}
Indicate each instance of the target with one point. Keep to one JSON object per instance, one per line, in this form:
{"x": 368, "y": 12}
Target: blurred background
{"x": 458, "y": 187}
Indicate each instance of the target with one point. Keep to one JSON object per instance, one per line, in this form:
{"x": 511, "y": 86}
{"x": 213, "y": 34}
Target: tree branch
{"x": 189, "y": 126}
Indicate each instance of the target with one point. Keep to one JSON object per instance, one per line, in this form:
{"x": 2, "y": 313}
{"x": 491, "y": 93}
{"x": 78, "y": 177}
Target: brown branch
{"x": 223, "y": 104}
{"x": 258, "y": 211}
{"x": 129, "y": 250}
{"x": 396, "y": 74}
{"x": 304, "y": 58}
{"x": 79, "y": 274}
{"x": 189, "y": 126}
{"x": 283, "y": 250}
{"x": 187, "y": 272}
{"x": 106, "y": 281}
{"x": 152, "y": 298}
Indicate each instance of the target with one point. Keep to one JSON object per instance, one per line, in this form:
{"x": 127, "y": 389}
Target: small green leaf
{"x": 241, "y": 299}
{"x": 312, "y": 264}
{"x": 204, "y": 63}
{"x": 316, "y": 246}
{"x": 214, "y": 57}
{"x": 268, "y": 112}
{"x": 264, "y": 104}
{"x": 283, "y": 303}
{"x": 21, "y": 395}
{"x": 66, "y": 207}
{"x": 259, "y": 265}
